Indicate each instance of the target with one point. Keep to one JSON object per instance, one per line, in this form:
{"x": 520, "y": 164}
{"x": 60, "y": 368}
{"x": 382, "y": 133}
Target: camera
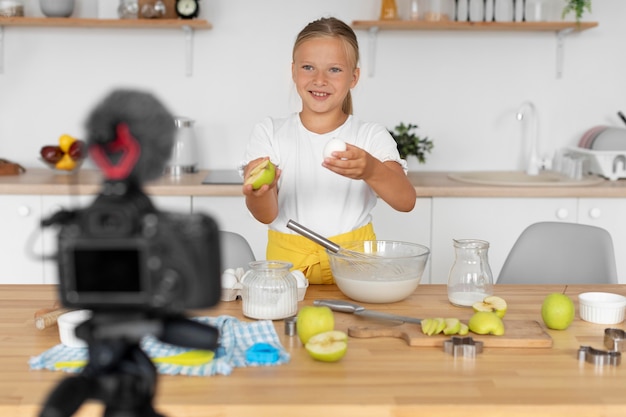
{"x": 122, "y": 253}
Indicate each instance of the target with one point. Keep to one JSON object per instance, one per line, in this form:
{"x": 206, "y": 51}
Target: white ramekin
{"x": 602, "y": 307}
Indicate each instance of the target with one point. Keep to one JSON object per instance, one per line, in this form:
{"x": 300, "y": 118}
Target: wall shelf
{"x": 188, "y": 26}
{"x": 560, "y": 28}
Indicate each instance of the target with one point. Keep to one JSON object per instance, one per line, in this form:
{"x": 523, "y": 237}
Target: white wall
{"x": 462, "y": 88}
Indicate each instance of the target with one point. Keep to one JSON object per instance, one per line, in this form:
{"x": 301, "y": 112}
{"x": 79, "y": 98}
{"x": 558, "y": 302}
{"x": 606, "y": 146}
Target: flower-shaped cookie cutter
{"x": 463, "y": 346}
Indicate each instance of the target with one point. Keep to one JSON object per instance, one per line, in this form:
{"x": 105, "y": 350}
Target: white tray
{"x": 609, "y": 164}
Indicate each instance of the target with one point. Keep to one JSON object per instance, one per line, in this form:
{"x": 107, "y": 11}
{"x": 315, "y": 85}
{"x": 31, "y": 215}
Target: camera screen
{"x": 107, "y": 270}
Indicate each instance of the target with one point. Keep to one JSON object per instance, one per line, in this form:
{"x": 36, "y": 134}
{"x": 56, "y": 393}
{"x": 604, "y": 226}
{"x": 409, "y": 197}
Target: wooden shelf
{"x": 196, "y": 24}
{"x": 188, "y": 26}
{"x": 479, "y": 26}
{"x": 561, "y": 29}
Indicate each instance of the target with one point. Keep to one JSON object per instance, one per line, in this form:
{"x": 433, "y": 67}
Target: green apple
{"x": 328, "y": 346}
{"x": 313, "y": 320}
{"x": 486, "y": 322}
{"x": 453, "y": 326}
{"x": 492, "y": 303}
{"x": 463, "y": 330}
{"x": 557, "y": 311}
{"x": 262, "y": 174}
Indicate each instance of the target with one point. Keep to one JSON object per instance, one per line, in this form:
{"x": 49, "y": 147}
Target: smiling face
{"x": 323, "y": 72}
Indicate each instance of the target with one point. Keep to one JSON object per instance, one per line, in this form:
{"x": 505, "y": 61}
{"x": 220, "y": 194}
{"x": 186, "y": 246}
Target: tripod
{"x": 119, "y": 373}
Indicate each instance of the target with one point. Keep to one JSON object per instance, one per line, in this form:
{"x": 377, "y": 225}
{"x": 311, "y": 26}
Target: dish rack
{"x": 608, "y": 164}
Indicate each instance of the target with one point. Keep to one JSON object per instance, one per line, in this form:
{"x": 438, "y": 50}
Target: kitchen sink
{"x": 522, "y": 179}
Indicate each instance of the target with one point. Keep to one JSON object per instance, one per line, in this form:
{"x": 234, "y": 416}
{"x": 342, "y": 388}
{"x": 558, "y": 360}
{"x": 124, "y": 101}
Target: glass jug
{"x": 269, "y": 291}
{"x": 470, "y": 278}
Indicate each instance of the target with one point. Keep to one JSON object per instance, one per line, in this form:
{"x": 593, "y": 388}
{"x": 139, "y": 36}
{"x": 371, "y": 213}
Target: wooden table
{"x": 378, "y": 377}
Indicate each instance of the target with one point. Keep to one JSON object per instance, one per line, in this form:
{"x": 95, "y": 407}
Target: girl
{"x": 332, "y": 196}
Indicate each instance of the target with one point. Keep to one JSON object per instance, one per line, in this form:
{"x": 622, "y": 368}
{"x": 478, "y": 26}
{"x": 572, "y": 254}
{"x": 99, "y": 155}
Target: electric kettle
{"x": 184, "y": 151}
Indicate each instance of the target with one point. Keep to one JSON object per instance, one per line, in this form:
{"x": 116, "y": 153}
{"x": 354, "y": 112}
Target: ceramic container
{"x": 57, "y": 8}
{"x": 602, "y": 307}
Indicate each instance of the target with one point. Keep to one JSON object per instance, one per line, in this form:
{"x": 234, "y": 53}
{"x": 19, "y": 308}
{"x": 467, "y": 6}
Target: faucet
{"x": 531, "y": 157}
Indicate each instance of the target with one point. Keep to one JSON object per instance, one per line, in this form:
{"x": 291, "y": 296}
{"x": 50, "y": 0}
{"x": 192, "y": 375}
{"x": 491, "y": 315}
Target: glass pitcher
{"x": 470, "y": 279}
{"x": 269, "y": 291}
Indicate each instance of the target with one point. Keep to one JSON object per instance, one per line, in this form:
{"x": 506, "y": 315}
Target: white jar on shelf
{"x": 436, "y": 10}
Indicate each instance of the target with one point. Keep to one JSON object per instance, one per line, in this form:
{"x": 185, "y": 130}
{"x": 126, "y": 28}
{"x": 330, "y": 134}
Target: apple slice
{"x": 328, "y": 346}
{"x": 453, "y": 326}
{"x": 262, "y": 174}
{"x": 493, "y": 304}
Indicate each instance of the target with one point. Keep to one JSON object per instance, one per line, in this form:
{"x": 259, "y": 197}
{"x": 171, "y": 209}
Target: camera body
{"x": 122, "y": 253}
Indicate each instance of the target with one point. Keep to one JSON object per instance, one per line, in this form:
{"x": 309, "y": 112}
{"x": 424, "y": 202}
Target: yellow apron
{"x": 308, "y": 256}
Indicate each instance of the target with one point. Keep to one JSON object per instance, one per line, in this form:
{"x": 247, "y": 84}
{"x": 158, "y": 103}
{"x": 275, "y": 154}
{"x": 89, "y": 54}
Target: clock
{"x": 187, "y": 9}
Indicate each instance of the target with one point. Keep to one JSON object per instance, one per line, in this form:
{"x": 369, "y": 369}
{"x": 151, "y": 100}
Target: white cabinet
{"x": 51, "y": 204}
{"x": 19, "y": 222}
{"x": 610, "y": 214}
{"x": 232, "y": 215}
{"x": 414, "y": 226}
{"x": 496, "y": 220}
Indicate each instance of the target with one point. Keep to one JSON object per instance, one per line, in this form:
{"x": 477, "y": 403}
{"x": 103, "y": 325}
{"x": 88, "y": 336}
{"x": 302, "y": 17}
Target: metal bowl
{"x": 390, "y": 271}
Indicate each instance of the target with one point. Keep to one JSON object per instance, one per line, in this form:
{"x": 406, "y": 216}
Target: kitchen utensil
{"x": 599, "y": 357}
{"x": 190, "y": 358}
{"x": 470, "y": 279}
{"x": 348, "y": 307}
{"x": 602, "y": 307}
{"x": 328, "y": 244}
{"x": 517, "y": 334}
{"x": 462, "y": 346}
{"x": 615, "y": 339}
{"x": 184, "y": 151}
{"x": 391, "y": 277}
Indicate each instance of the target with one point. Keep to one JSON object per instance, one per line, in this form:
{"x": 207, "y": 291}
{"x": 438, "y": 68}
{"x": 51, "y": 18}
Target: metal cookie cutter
{"x": 615, "y": 339}
{"x": 599, "y": 357}
{"x": 462, "y": 346}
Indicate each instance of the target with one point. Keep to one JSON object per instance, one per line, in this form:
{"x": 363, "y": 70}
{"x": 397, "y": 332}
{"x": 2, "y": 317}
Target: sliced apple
{"x": 328, "y": 346}
{"x": 492, "y": 303}
{"x": 262, "y": 174}
{"x": 464, "y": 330}
{"x": 453, "y": 326}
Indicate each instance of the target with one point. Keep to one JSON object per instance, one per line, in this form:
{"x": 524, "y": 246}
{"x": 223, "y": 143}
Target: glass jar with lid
{"x": 269, "y": 291}
{"x": 436, "y": 10}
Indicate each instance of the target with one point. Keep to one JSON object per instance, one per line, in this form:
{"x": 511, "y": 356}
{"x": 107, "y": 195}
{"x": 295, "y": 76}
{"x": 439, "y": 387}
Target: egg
{"x": 334, "y": 145}
{"x": 300, "y": 278}
{"x": 229, "y": 280}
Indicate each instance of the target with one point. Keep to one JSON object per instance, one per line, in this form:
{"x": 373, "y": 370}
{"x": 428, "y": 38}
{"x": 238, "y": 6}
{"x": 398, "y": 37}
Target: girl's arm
{"x": 387, "y": 179}
{"x": 262, "y": 203}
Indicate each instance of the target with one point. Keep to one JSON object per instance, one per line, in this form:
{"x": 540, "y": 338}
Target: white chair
{"x": 560, "y": 253}
{"x": 236, "y": 251}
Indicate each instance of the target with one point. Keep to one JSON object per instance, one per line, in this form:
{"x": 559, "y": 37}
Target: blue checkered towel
{"x": 235, "y": 338}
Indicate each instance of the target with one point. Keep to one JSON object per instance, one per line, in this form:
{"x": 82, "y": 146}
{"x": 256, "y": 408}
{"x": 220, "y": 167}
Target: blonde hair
{"x": 331, "y": 27}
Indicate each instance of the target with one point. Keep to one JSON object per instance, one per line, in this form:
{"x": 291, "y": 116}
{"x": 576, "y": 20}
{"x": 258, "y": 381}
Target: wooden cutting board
{"x": 517, "y": 334}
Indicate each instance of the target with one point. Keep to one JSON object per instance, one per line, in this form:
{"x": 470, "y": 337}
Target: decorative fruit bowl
{"x": 378, "y": 271}
{"x": 67, "y": 156}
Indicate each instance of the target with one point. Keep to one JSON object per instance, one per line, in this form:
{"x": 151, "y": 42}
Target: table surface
{"x": 378, "y": 377}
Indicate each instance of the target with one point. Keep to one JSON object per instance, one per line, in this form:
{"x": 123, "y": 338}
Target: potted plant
{"x": 409, "y": 143}
{"x": 578, "y": 7}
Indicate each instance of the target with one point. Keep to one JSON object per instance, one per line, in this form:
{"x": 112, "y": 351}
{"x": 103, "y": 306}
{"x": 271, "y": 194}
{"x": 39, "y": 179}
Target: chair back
{"x": 236, "y": 251}
{"x": 560, "y": 253}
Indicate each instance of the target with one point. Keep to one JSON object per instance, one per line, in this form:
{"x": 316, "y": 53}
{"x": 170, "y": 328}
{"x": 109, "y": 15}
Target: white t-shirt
{"x": 308, "y": 193}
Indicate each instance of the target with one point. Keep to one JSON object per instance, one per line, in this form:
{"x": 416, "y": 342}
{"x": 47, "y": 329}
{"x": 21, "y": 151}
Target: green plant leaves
{"x": 409, "y": 143}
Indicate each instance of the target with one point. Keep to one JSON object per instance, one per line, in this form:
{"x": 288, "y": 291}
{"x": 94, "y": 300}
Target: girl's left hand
{"x": 353, "y": 163}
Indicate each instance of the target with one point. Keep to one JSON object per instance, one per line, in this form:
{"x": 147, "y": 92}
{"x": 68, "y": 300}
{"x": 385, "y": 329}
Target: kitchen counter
{"x": 427, "y": 184}
{"x": 377, "y": 377}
